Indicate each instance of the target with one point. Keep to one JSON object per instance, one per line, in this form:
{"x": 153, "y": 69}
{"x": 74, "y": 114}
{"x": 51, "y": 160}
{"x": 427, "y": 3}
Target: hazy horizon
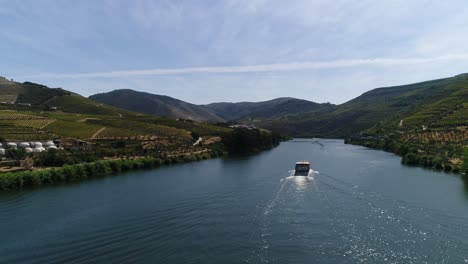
{"x": 233, "y": 51}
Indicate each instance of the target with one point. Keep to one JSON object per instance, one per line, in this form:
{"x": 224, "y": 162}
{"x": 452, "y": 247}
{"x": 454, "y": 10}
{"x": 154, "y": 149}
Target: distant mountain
{"x": 156, "y": 105}
{"x": 276, "y": 108}
{"x": 165, "y": 106}
{"x": 442, "y": 102}
{"x": 28, "y": 95}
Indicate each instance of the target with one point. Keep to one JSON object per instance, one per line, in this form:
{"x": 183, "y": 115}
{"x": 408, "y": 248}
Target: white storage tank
{"x": 38, "y": 149}
{"x": 2, "y": 152}
{"x": 53, "y": 147}
{"x": 37, "y": 144}
{"x": 12, "y": 145}
{"x": 28, "y": 150}
{"x": 24, "y": 145}
{"x": 49, "y": 144}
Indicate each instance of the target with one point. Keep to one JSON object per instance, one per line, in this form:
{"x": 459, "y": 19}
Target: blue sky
{"x": 244, "y": 50}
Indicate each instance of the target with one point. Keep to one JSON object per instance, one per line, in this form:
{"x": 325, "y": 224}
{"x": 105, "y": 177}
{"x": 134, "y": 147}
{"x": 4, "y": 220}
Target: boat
{"x": 302, "y": 168}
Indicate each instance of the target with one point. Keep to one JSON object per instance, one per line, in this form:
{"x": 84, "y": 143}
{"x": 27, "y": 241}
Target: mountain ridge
{"x": 156, "y": 105}
{"x": 166, "y": 106}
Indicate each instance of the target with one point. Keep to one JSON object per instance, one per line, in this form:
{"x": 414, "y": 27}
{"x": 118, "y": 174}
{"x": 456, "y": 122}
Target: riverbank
{"x": 61, "y": 166}
{"x": 438, "y": 157}
{"x": 83, "y": 171}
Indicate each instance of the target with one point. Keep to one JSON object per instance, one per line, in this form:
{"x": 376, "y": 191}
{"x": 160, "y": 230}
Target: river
{"x": 362, "y": 206}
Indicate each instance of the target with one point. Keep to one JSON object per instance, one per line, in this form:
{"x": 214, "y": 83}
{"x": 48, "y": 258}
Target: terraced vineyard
{"x": 138, "y": 128}
{"x": 8, "y": 131}
{"x": 18, "y": 125}
{"x": 458, "y": 117}
{"x": 459, "y": 135}
{"x": 14, "y": 115}
{"x": 8, "y": 98}
{"x": 34, "y": 123}
{"x": 110, "y": 133}
{"x": 73, "y": 129}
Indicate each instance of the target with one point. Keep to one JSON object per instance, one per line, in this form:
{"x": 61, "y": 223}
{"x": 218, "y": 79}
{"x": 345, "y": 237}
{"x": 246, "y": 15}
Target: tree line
{"x": 78, "y": 172}
{"x": 245, "y": 141}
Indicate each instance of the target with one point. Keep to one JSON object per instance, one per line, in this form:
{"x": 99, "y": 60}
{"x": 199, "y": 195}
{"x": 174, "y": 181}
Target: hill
{"x": 276, "y": 108}
{"x": 30, "y": 96}
{"x": 434, "y": 103}
{"x": 32, "y": 111}
{"x": 156, "y": 105}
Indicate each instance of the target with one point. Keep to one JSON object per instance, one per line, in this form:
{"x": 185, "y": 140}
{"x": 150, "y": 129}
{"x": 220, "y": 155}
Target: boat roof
{"x": 303, "y": 162}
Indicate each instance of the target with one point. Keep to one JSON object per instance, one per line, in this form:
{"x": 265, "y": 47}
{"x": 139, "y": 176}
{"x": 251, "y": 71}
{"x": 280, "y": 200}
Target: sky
{"x": 226, "y": 50}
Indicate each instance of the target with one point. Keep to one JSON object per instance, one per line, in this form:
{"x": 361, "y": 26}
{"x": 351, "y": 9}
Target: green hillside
{"x": 437, "y": 103}
{"x": 27, "y": 92}
{"x": 165, "y": 106}
{"x": 276, "y": 108}
{"x": 35, "y": 112}
{"x": 29, "y": 96}
{"x": 156, "y": 105}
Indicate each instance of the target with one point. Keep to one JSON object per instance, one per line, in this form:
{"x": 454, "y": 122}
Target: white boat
{"x": 302, "y": 168}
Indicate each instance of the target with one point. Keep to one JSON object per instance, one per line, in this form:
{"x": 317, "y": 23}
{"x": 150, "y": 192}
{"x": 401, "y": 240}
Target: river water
{"x": 362, "y": 206}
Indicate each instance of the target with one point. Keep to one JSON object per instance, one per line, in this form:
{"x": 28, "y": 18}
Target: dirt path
{"x": 51, "y": 121}
{"x": 97, "y": 133}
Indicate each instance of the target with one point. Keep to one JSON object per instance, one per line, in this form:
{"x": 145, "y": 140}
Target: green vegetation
{"x": 29, "y": 93}
{"x": 79, "y": 130}
{"x": 276, "y": 108}
{"x": 46, "y": 125}
{"x": 244, "y": 141}
{"x": 465, "y": 162}
{"x": 429, "y": 155}
{"x": 99, "y": 140}
{"x": 77, "y": 104}
{"x": 77, "y": 172}
{"x": 435, "y": 104}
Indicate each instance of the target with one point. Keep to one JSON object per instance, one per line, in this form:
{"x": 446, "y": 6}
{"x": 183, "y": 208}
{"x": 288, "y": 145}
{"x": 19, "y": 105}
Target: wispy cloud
{"x": 276, "y": 67}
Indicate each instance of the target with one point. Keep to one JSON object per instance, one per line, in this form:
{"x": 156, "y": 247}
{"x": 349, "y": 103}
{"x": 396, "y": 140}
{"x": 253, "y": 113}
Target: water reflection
{"x": 301, "y": 182}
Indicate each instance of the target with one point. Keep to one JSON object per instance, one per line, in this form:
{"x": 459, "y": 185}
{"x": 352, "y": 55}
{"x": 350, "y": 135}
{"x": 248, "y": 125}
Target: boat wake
{"x": 282, "y": 194}
{"x": 391, "y": 230}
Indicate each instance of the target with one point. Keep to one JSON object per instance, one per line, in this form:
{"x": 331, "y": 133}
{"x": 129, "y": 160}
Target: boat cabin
{"x": 302, "y": 168}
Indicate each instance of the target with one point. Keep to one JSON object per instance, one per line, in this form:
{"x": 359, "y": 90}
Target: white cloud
{"x": 277, "y": 67}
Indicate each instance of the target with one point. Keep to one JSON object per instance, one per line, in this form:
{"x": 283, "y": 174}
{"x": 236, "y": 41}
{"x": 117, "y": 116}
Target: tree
{"x": 16, "y": 154}
{"x": 465, "y": 162}
{"x": 195, "y": 135}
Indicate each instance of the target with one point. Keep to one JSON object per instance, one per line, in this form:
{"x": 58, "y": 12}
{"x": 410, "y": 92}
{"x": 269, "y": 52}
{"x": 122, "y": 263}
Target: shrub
{"x": 9, "y": 181}
{"x": 465, "y": 162}
{"x": 116, "y": 166}
{"x": 78, "y": 172}
{"x": 410, "y": 159}
{"x": 448, "y": 167}
{"x": 70, "y": 173}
